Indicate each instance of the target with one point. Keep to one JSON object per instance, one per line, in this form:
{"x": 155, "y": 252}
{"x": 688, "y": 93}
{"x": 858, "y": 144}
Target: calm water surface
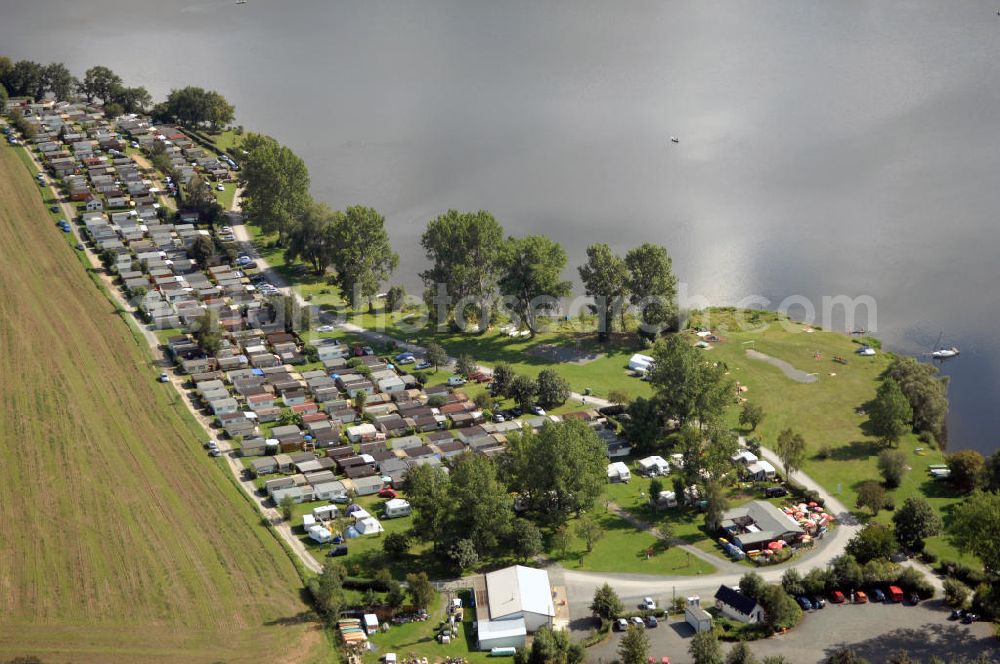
{"x": 826, "y": 148}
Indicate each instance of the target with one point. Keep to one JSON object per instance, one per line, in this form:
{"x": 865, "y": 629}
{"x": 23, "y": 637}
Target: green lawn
{"x": 824, "y": 411}
{"x": 226, "y": 196}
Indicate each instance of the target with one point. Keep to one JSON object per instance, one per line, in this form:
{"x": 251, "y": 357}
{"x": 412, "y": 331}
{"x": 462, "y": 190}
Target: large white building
{"x": 512, "y": 603}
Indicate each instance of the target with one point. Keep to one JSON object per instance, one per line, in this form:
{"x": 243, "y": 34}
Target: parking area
{"x": 873, "y": 630}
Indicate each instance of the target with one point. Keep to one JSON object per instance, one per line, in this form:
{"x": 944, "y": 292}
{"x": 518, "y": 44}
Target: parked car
{"x": 860, "y": 597}
{"x": 637, "y": 621}
{"x": 648, "y": 604}
{"x": 423, "y": 364}
{"x": 338, "y": 551}
{"x": 914, "y": 599}
{"x": 54, "y": 208}
{"x": 818, "y": 602}
{"x": 877, "y": 595}
{"x": 79, "y": 246}
{"x": 957, "y": 614}
{"x": 387, "y": 493}
{"x": 621, "y": 625}
{"x": 804, "y": 602}
{"x": 969, "y": 618}
{"x": 837, "y": 597}
{"x": 325, "y": 328}
{"x": 538, "y": 410}
{"x": 164, "y": 378}
{"x": 498, "y": 417}
{"x": 214, "y": 453}
{"x": 455, "y": 381}
{"x": 244, "y": 259}
{"x": 896, "y": 593}
{"x": 775, "y": 492}
{"x": 368, "y": 350}
{"x": 651, "y": 621}
{"x": 219, "y": 187}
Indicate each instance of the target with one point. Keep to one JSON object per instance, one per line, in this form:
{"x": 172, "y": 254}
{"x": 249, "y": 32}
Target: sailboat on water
{"x": 942, "y": 353}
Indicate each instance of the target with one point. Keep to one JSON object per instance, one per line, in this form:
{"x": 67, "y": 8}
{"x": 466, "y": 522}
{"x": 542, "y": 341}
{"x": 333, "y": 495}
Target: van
{"x": 895, "y": 593}
{"x": 455, "y": 381}
{"x": 775, "y": 492}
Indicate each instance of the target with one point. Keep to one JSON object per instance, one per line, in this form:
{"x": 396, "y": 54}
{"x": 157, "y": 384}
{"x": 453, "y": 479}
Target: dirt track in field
{"x": 119, "y": 540}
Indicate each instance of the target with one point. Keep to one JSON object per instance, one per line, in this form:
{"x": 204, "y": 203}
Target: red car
{"x": 387, "y": 493}
{"x": 837, "y": 597}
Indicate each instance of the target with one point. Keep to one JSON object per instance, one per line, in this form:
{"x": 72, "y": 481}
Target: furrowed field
{"x": 118, "y": 539}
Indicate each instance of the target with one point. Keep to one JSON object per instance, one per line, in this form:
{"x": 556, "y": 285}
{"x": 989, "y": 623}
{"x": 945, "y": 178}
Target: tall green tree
{"x": 717, "y": 504}
{"x": 634, "y": 646}
{"x": 915, "y": 520}
{"x": 487, "y": 508}
{"x": 892, "y": 464}
{"x": 550, "y": 646}
{"x": 503, "y": 376}
{"x": 327, "y": 590}
{"x": 427, "y": 489}
{"x": 526, "y": 539}
{"x": 890, "y": 412}
{"x": 871, "y": 494}
{"x": 974, "y": 526}
{"x": 653, "y": 288}
{"x": 872, "y": 542}
{"x": 59, "y": 81}
{"x": 791, "y": 449}
{"x": 705, "y": 648}
{"x": 362, "y": 254}
{"x": 202, "y": 249}
{"x": 751, "y": 415}
{"x": 436, "y": 355}
{"x": 605, "y": 277}
{"x": 466, "y": 252}
{"x": 644, "y": 427}
{"x": 275, "y": 185}
{"x": 132, "y": 100}
{"x": 523, "y": 390}
{"x": 98, "y": 83}
{"x": 553, "y": 389}
{"x": 780, "y": 610}
{"x": 968, "y": 470}
{"x": 589, "y": 531}
{"x": 532, "y": 280}
{"x": 688, "y": 387}
{"x": 421, "y": 590}
{"x": 313, "y": 239}
{"x": 926, "y": 391}
{"x": 27, "y": 79}
{"x": 606, "y": 604}
{"x": 195, "y": 107}
{"x": 559, "y": 471}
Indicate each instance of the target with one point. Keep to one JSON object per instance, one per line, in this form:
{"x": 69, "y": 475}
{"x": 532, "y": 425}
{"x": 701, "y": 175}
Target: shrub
{"x": 913, "y": 580}
{"x": 956, "y": 593}
{"x": 825, "y": 452}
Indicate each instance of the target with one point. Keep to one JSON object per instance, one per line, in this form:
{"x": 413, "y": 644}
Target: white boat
{"x": 674, "y": 139}
{"x": 867, "y": 351}
{"x": 943, "y": 353}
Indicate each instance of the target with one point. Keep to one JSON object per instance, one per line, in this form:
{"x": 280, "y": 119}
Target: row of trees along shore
{"x": 470, "y": 256}
{"x": 468, "y": 252}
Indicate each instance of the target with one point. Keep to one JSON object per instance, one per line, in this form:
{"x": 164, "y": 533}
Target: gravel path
{"x": 797, "y": 375}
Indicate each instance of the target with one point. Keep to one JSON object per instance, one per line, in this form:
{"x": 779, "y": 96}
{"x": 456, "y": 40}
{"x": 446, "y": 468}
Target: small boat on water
{"x": 942, "y": 353}
{"x": 674, "y": 139}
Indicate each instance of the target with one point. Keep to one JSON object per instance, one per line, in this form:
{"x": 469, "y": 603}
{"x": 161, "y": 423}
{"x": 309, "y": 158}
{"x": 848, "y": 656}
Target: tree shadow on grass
{"x": 855, "y": 450}
{"x": 290, "y": 621}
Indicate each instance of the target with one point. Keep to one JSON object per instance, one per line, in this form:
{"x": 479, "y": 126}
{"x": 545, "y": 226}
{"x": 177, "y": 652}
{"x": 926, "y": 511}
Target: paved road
{"x": 872, "y": 630}
{"x": 177, "y": 381}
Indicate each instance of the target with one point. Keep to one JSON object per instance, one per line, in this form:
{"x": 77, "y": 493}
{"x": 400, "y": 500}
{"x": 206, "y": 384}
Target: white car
{"x": 648, "y": 604}
{"x": 226, "y": 229}
{"x": 325, "y": 328}
{"x": 454, "y": 381}
{"x": 219, "y": 187}
{"x": 243, "y": 260}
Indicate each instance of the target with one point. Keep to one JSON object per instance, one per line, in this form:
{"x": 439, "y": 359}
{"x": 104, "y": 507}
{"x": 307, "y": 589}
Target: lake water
{"x": 826, "y": 148}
